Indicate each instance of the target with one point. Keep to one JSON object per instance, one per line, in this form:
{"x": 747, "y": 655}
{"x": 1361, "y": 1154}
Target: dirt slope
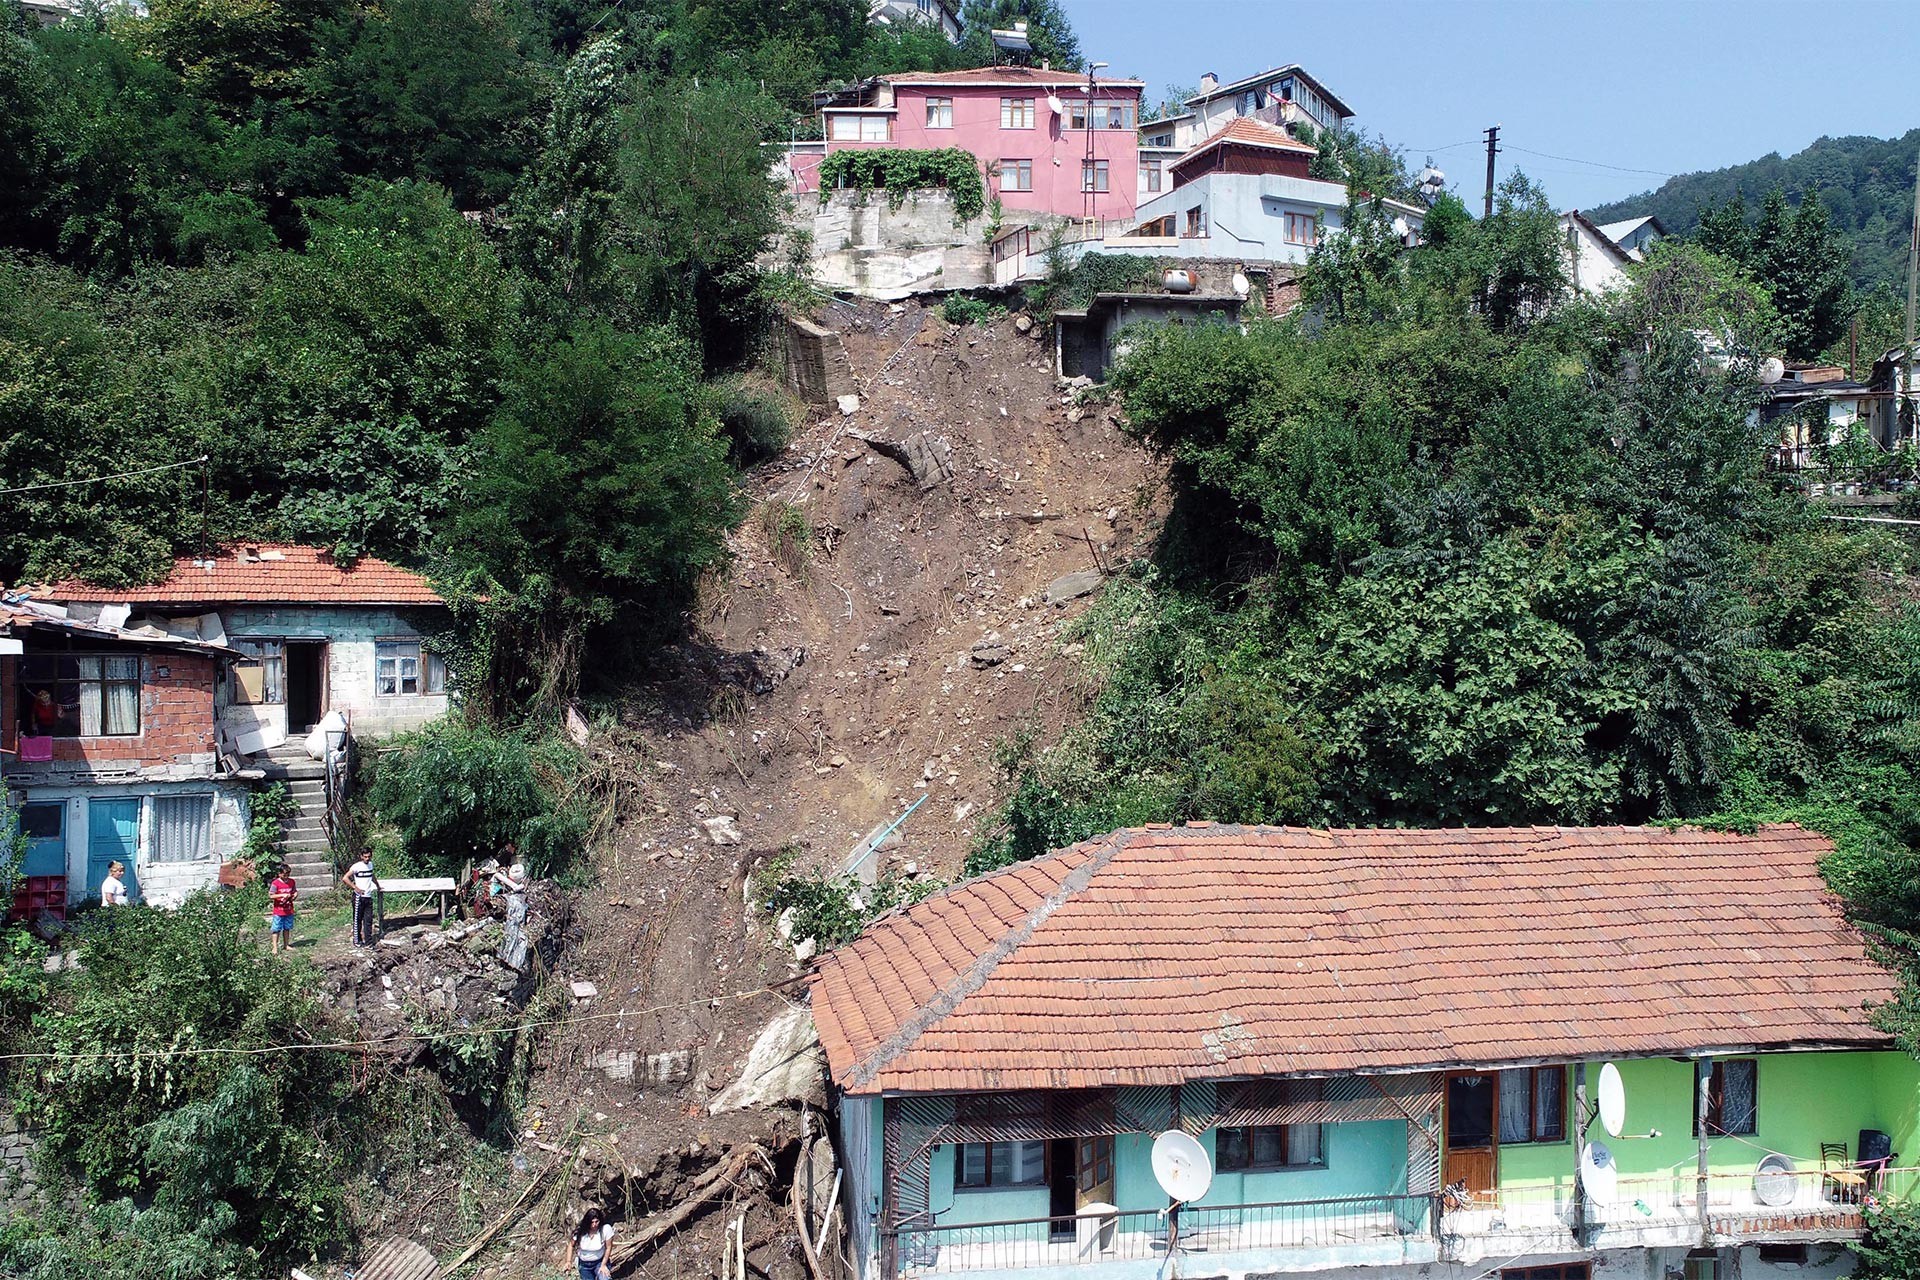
{"x": 834, "y": 680}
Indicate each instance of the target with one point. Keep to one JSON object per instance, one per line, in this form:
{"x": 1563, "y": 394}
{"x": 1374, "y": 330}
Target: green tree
{"x": 1804, "y": 264}
{"x": 1049, "y": 31}
{"x": 560, "y": 212}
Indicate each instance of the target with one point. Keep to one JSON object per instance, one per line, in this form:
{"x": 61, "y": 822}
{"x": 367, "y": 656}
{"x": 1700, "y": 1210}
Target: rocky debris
{"x": 1072, "y": 586}
{"x": 928, "y": 458}
{"x": 784, "y": 1065}
{"x": 1023, "y": 323}
{"x": 989, "y": 653}
{"x": 721, "y": 829}
{"x": 849, "y": 405}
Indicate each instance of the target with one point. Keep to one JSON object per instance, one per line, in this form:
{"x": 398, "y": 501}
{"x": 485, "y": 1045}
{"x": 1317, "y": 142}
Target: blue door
{"x": 44, "y": 826}
{"x": 113, "y": 832}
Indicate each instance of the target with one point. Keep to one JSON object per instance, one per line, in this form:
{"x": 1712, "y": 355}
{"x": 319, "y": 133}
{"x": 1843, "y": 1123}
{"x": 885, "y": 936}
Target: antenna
{"x": 1054, "y": 104}
{"x": 1771, "y": 371}
{"x": 1613, "y": 1100}
{"x": 1598, "y": 1174}
{"x": 1181, "y": 1166}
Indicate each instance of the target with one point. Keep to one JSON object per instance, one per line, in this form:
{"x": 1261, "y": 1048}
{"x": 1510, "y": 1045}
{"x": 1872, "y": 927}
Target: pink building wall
{"x": 1055, "y": 151}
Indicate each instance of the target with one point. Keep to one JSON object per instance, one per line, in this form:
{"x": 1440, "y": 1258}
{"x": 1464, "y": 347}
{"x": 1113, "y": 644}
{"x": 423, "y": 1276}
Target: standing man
{"x": 360, "y": 878}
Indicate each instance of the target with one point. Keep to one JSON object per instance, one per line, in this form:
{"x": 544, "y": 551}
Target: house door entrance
{"x": 1473, "y": 1126}
{"x": 113, "y": 835}
{"x": 1093, "y": 1171}
{"x": 306, "y": 684}
{"x": 1063, "y": 1187}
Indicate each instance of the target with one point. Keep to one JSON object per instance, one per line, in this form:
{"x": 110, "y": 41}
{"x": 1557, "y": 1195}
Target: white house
{"x": 944, "y": 14}
{"x": 1285, "y": 96}
{"x": 1813, "y": 404}
{"x": 1596, "y": 263}
{"x": 1635, "y": 235}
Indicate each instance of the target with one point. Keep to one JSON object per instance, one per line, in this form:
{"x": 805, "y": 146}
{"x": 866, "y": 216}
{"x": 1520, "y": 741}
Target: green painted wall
{"x": 1805, "y": 1099}
{"x": 965, "y": 1206}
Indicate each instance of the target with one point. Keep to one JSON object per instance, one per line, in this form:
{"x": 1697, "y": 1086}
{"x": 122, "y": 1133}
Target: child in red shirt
{"x": 281, "y": 894}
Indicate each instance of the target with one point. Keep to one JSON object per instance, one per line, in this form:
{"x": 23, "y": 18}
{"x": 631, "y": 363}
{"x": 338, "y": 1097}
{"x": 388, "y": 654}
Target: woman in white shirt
{"x": 113, "y": 890}
{"x": 589, "y": 1249}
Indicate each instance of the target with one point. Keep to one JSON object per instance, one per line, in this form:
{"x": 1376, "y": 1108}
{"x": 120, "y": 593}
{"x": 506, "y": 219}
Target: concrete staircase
{"x": 309, "y": 856}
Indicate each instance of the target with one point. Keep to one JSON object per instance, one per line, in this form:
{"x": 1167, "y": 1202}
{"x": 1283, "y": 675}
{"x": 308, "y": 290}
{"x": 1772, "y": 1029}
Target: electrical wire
{"x": 211, "y": 1051}
{"x": 1548, "y": 155}
{"x": 118, "y": 475}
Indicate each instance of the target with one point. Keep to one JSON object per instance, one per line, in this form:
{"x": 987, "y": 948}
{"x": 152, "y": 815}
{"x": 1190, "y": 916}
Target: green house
{"x": 1394, "y": 1047}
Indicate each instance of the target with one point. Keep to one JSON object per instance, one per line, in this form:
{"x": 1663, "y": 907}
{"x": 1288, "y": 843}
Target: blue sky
{"x": 1672, "y": 86}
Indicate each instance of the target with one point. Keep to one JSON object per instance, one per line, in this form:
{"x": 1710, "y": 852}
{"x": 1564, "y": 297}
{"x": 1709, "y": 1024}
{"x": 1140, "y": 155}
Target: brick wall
{"x": 176, "y": 738}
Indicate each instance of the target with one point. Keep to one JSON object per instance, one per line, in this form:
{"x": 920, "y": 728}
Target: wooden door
{"x": 1472, "y": 1123}
{"x": 113, "y": 835}
{"x": 1093, "y": 1177}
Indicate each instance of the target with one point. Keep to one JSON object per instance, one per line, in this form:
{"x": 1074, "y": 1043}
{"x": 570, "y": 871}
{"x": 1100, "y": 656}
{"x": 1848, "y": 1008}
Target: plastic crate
{"x": 35, "y": 896}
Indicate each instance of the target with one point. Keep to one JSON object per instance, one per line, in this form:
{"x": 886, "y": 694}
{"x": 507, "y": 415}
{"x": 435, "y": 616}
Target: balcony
{"x": 1306, "y": 1235}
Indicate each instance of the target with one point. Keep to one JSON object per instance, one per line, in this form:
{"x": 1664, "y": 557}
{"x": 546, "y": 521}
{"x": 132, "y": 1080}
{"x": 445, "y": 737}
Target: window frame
{"x": 1096, "y": 177}
{"x": 1023, "y": 175}
{"x": 1017, "y": 113}
{"x": 272, "y": 660}
{"x": 1195, "y": 225}
{"x": 1288, "y": 234}
{"x": 1713, "y": 1121}
{"x": 1118, "y": 116}
{"x": 939, "y": 113}
{"x": 382, "y": 655}
{"x": 1536, "y": 1136}
{"x": 25, "y": 681}
{"x": 204, "y": 801}
{"x": 1152, "y": 172}
{"x": 1282, "y": 1135}
{"x": 1079, "y": 114}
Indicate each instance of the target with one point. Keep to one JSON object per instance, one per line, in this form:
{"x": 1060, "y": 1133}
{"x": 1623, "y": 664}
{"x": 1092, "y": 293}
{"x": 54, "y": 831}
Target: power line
{"x": 118, "y": 475}
{"x": 212, "y": 1051}
{"x": 1657, "y": 173}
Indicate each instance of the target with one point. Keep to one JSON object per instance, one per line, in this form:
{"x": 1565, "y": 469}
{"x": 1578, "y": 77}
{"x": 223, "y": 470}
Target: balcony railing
{"x": 1383, "y": 1222}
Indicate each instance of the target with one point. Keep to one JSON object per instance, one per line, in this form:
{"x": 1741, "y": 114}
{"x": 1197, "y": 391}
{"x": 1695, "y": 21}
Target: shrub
{"x": 756, "y": 416}
{"x": 834, "y": 909}
{"x": 789, "y": 534}
{"x": 457, "y": 790}
{"x": 903, "y": 171}
{"x": 959, "y": 308}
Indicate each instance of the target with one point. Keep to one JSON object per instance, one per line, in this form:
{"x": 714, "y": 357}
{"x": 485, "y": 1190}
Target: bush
{"x": 903, "y": 171}
{"x": 457, "y": 790}
{"x": 756, "y": 416}
{"x": 962, "y": 309}
{"x": 1891, "y": 1248}
{"x": 834, "y": 909}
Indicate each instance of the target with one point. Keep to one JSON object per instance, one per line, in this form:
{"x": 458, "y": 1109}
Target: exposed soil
{"x": 833, "y": 681}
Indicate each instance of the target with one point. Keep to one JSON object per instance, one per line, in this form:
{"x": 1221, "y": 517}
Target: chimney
{"x": 1046, "y": 64}
{"x": 1209, "y": 82}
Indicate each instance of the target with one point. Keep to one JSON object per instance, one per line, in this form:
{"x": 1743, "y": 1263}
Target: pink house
{"x": 1052, "y": 142}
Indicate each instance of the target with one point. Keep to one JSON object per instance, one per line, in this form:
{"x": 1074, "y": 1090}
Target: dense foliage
{"x": 1451, "y": 546}
{"x": 900, "y": 172}
{"x": 1801, "y": 259}
{"x": 1866, "y": 185}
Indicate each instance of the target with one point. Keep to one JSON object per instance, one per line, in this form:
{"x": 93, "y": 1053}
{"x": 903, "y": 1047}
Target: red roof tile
{"x": 1159, "y": 955}
{"x": 262, "y": 573}
{"x": 1245, "y": 131}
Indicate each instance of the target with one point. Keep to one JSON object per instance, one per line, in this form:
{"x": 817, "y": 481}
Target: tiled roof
{"x": 1023, "y": 76}
{"x": 1245, "y": 131}
{"x": 262, "y": 573}
{"x": 1165, "y": 954}
{"x": 1271, "y": 73}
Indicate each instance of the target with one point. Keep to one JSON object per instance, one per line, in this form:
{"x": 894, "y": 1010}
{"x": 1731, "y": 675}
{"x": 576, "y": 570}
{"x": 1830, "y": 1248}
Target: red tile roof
{"x": 262, "y": 573}
{"x": 1245, "y": 131}
{"x": 1024, "y": 77}
{"x": 1159, "y": 955}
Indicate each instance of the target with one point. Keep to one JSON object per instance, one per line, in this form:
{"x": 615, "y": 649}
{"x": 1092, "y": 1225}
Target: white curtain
{"x": 91, "y": 718}
{"x": 123, "y": 695}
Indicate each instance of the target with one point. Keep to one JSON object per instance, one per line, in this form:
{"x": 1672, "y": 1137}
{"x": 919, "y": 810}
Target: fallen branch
{"x": 722, "y": 1177}
{"x": 799, "y": 1202}
{"x": 513, "y": 1211}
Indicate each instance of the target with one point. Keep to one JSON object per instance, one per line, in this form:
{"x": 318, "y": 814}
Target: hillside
{"x": 1865, "y": 183}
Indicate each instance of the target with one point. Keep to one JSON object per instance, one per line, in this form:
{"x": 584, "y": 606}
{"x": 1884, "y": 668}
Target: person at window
{"x": 43, "y": 713}
{"x": 113, "y": 890}
{"x": 360, "y": 878}
{"x": 281, "y": 894}
{"x": 588, "y": 1250}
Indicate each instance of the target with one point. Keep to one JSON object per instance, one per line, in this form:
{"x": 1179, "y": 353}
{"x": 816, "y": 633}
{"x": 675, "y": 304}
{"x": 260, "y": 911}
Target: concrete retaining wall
{"x": 863, "y": 245}
{"x": 815, "y": 362}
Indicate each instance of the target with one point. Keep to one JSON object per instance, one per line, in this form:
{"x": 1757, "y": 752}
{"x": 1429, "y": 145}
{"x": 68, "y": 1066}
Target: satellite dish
{"x": 1054, "y": 104}
{"x": 1181, "y": 1166}
{"x": 1773, "y": 1181}
{"x": 1771, "y": 371}
{"x": 1613, "y": 1100}
{"x": 1598, "y": 1174}
{"x": 1242, "y": 285}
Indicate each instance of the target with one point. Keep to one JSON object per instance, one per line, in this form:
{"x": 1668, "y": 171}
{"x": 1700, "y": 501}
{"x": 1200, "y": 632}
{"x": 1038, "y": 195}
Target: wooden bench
{"x": 440, "y": 888}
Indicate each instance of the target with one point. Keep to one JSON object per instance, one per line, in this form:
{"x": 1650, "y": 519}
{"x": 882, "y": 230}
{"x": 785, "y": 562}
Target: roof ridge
{"x": 975, "y": 975}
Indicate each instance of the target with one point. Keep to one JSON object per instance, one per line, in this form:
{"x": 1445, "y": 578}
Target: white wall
{"x": 1245, "y": 214}
{"x": 164, "y": 884}
{"x": 351, "y": 634}
{"x": 1594, "y": 270}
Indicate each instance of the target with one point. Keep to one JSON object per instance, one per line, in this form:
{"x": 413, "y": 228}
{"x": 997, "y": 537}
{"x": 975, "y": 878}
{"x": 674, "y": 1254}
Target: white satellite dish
{"x": 1771, "y": 371}
{"x": 1242, "y": 285}
{"x": 1774, "y": 1180}
{"x": 1613, "y": 1099}
{"x": 1054, "y": 104}
{"x": 1181, "y": 1166}
{"x": 1598, "y": 1174}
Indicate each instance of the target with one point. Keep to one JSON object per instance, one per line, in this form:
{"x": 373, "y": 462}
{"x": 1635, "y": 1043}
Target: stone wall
{"x": 19, "y": 1185}
{"x": 865, "y": 246}
{"x": 815, "y": 362}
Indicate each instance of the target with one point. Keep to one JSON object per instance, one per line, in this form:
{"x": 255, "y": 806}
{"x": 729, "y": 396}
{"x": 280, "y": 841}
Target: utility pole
{"x": 1493, "y": 149}
{"x": 1913, "y": 274}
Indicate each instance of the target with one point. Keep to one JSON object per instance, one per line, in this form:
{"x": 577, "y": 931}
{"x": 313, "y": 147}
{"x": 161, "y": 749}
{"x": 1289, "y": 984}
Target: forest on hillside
{"x": 1866, "y": 185}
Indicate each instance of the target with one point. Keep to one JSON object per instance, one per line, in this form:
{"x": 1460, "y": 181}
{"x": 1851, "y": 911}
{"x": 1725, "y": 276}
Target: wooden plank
{"x": 424, "y": 884}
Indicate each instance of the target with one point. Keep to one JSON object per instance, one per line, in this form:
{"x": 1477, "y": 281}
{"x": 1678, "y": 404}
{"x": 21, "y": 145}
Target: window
{"x": 1077, "y": 114}
{"x": 1302, "y": 228}
{"x": 926, "y": 6}
{"x": 436, "y": 672}
{"x": 1196, "y": 228}
{"x": 1000, "y": 1164}
{"x": 259, "y": 676}
{"x": 1788, "y": 1255}
{"x": 850, "y": 128}
{"x": 939, "y": 113}
{"x": 41, "y": 821}
{"x": 80, "y": 695}
{"x": 1733, "y": 1097}
{"x": 1093, "y": 175}
{"x": 1559, "y": 1271}
{"x": 1533, "y": 1105}
{"x": 1151, "y": 171}
{"x": 1268, "y": 1146}
{"x": 396, "y": 668}
{"x": 182, "y": 828}
{"x": 1118, "y": 115}
{"x": 1016, "y": 175}
{"x": 1160, "y": 140}
{"x": 1016, "y": 113}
